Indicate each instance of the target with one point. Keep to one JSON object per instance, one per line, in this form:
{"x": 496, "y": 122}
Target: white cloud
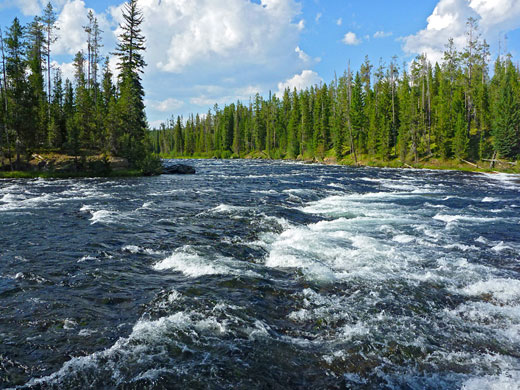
{"x": 28, "y": 7}
{"x": 302, "y": 55}
{"x": 449, "y": 18}
{"x": 214, "y": 94}
{"x": 67, "y": 69}
{"x": 339, "y": 22}
{"x": 351, "y": 39}
{"x": 216, "y": 33}
{"x": 167, "y": 105}
{"x": 382, "y": 34}
{"x": 318, "y": 17}
{"x": 301, "y": 81}
{"x": 301, "y": 25}
{"x": 71, "y": 35}
{"x": 156, "y": 124}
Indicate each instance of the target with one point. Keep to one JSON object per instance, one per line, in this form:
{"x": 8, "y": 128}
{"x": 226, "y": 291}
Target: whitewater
{"x": 262, "y": 274}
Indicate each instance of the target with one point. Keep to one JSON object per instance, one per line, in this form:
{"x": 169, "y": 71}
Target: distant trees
{"x": 87, "y": 115}
{"x": 452, "y": 109}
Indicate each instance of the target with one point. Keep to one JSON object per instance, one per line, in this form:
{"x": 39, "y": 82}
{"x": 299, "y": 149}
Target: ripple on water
{"x": 336, "y": 278}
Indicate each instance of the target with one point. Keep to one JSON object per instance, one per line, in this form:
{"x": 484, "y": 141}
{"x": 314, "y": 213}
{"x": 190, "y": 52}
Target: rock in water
{"x": 178, "y": 169}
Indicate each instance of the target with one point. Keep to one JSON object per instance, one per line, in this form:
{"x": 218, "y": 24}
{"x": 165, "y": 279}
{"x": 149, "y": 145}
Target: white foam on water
{"x": 147, "y": 337}
{"x": 259, "y": 331}
{"x": 501, "y": 246}
{"x": 146, "y": 206}
{"x": 21, "y": 202}
{"x": 505, "y": 291}
{"x": 462, "y": 247}
{"x": 138, "y": 249}
{"x": 448, "y": 218}
{"x": 403, "y": 238}
{"x": 103, "y": 216}
{"x": 481, "y": 240}
{"x": 265, "y": 192}
{"x": 299, "y": 191}
{"x": 86, "y": 332}
{"x": 507, "y": 180}
{"x": 86, "y": 258}
{"x": 187, "y": 261}
{"x": 489, "y": 199}
{"x": 509, "y": 380}
{"x": 350, "y": 331}
{"x": 225, "y": 208}
{"x": 192, "y": 264}
{"x": 69, "y": 324}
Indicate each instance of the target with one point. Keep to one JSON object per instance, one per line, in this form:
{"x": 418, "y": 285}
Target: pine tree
{"x": 49, "y": 20}
{"x": 131, "y": 100}
{"x": 506, "y": 125}
{"x": 38, "y": 103}
{"x": 17, "y": 92}
{"x": 357, "y": 113}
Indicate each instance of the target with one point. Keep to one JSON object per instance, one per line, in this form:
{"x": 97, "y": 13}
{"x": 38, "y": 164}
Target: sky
{"x": 202, "y": 52}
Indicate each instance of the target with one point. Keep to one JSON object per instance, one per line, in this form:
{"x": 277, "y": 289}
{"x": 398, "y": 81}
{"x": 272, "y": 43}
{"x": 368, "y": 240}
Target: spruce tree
{"x": 130, "y": 48}
{"x": 506, "y": 125}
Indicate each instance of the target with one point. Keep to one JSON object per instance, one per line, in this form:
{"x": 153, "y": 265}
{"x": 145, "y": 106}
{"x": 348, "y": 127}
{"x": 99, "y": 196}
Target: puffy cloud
{"x": 339, "y": 22}
{"x": 301, "y": 81}
{"x": 28, "y": 7}
{"x": 216, "y": 33}
{"x": 167, "y": 105}
{"x": 31, "y": 7}
{"x": 449, "y": 18}
{"x": 351, "y": 39}
{"x": 215, "y": 94}
{"x": 382, "y": 34}
{"x": 71, "y": 36}
{"x": 67, "y": 69}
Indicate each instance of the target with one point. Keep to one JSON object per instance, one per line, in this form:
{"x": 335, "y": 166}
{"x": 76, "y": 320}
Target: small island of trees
{"x": 88, "y": 116}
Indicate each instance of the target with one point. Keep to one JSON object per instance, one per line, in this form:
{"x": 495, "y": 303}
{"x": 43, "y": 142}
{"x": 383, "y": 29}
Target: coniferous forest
{"x": 88, "y": 115}
{"x": 459, "y": 109}
{"x": 451, "y": 110}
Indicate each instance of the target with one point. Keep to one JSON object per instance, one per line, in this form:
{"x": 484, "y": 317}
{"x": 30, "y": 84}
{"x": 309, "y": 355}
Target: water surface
{"x": 261, "y": 275}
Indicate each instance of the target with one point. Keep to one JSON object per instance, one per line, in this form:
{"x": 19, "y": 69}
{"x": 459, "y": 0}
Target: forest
{"x": 92, "y": 114}
{"x": 451, "y": 111}
{"x": 458, "y": 109}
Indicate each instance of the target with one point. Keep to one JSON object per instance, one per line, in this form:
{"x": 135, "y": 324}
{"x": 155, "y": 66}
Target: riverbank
{"x": 68, "y": 175}
{"x": 61, "y": 166}
{"x": 502, "y": 166}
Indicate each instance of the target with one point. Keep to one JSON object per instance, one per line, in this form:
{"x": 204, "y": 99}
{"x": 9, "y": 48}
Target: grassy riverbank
{"x": 368, "y": 161}
{"x": 53, "y": 165}
{"x": 433, "y": 163}
{"x": 67, "y": 175}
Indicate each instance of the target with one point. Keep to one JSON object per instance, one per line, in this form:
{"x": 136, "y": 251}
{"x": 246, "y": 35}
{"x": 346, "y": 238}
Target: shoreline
{"x": 68, "y": 175}
{"x": 435, "y": 165}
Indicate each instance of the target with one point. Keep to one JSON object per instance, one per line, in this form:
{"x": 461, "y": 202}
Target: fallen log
{"x": 470, "y": 163}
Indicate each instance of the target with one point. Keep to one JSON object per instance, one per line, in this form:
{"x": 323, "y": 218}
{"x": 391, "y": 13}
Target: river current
{"x": 262, "y": 275}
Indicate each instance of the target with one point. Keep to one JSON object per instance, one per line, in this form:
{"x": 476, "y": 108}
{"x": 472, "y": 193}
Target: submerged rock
{"x": 178, "y": 169}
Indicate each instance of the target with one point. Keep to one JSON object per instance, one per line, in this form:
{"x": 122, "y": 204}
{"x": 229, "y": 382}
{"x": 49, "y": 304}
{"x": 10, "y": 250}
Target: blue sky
{"x": 202, "y": 52}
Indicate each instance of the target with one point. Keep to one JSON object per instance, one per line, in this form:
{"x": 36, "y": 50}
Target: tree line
{"x": 451, "y": 110}
{"x": 87, "y": 115}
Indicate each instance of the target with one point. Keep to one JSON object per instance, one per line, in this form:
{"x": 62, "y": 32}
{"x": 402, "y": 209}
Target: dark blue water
{"x": 261, "y": 275}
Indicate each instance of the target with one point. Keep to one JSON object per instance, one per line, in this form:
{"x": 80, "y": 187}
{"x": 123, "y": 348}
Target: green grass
{"x": 68, "y": 175}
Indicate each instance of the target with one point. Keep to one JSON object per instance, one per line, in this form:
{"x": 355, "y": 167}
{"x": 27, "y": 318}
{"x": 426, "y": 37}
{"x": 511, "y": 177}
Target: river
{"x": 258, "y": 274}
